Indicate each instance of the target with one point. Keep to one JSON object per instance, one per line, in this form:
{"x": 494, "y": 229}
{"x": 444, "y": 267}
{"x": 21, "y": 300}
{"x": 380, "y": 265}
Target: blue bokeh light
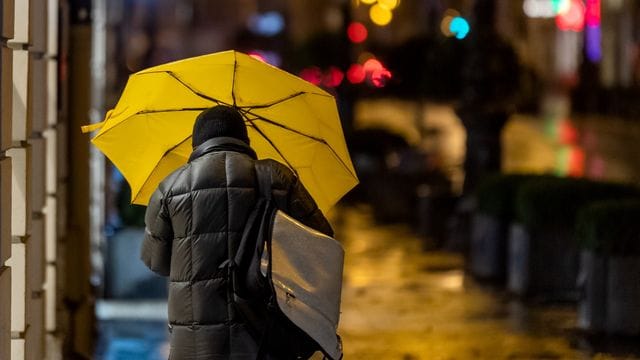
{"x": 267, "y": 24}
{"x": 459, "y": 26}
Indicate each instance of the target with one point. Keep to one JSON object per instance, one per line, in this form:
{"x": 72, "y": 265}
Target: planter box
{"x": 542, "y": 263}
{"x": 610, "y": 294}
{"x": 488, "y": 247}
{"x": 623, "y": 295}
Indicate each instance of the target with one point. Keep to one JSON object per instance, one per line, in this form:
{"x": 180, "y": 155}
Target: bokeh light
{"x": 459, "y": 27}
{"x": 270, "y": 57}
{"x": 333, "y": 77}
{"x": 368, "y": 2}
{"x": 445, "y": 24}
{"x": 312, "y": 74}
{"x": 573, "y": 18}
{"x": 379, "y": 77}
{"x": 593, "y": 45}
{"x": 356, "y": 74}
{"x": 560, "y": 6}
{"x": 389, "y": 4}
{"x": 379, "y": 15}
{"x": 567, "y": 133}
{"x": 257, "y": 56}
{"x": 268, "y": 24}
{"x": 539, "y": 8}
{"x": 570, "y": 161}
{"x": 372, "y": 65}
{"x": 357, "y": 32}
{"x": 592, "y": 15}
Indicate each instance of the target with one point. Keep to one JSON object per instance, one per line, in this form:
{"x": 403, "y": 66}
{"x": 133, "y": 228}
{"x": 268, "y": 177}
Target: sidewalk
{"x": 402, "y": 303}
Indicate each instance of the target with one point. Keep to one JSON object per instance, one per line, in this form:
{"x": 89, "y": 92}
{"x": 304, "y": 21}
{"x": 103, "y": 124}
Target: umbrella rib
{"x": 192, "y": 89}
{"x": 275, "y": 123}
{"x": 142, "y": 112}
{"x": 259, "y": 131}
{"x": 146, "y": 112}
{"x": 233, "y": 80}
{"x": 322, "y": 141}
{"x": 276, "y": 102}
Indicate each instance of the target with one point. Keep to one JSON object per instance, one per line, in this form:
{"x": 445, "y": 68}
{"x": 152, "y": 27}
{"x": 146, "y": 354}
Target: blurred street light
{"x": 380, "y": 15}
{"x": 539, "y": 8}
{"x": 356, "y": 74}
{"x": 357, "y": 32}
{"x": 333, "y": 77}
{"x": 389, "y": 4}
{"x": 572, "y": 19}
{"x": 312, "y": 74}
{"x": 459, "y": 27}
{"x": 445, "y": 25}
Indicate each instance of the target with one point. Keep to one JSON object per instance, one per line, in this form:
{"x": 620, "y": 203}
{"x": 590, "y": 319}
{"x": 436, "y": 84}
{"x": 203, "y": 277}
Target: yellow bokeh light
{"x": 380, "y": 15}
{"x": 444, "y": 26}
{"x": 368, "y": 2}
{"x": 388, "y": 4}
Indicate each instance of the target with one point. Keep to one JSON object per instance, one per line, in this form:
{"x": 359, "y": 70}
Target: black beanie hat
{"x": 219, "y": 121}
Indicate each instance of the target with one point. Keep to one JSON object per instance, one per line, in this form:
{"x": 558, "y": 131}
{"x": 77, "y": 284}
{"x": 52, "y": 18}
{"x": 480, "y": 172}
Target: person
{"x": 195, "y": 216}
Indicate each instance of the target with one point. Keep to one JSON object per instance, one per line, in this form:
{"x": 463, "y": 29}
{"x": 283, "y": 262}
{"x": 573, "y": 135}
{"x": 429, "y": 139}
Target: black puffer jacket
{"x": 193, "y": 217}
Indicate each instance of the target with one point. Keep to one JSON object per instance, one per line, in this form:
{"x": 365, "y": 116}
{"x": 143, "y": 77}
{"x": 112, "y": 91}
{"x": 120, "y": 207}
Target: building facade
{"x": 45, "y": 292}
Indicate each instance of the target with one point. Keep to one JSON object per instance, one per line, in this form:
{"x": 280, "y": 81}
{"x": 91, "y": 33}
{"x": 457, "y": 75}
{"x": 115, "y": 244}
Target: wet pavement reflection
{"x": 400, "y": 302}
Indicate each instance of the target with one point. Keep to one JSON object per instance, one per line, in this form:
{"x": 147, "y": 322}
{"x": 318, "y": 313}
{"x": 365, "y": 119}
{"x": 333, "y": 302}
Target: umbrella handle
{"x": 89, "y": 128}
{"x": 93, "y": 127}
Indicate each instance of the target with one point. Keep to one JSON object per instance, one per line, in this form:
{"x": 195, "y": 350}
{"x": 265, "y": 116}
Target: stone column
{"x": 28, "y": 179}
{"x": 78, "y": 292}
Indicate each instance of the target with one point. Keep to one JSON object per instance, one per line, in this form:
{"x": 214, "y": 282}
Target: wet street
{"x": 400, "y": 302}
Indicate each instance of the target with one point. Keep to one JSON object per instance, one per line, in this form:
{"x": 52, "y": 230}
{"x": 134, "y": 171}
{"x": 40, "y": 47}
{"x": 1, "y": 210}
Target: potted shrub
{"x": 542, "y": 251}
{"x": 490, "y": 224}
{"x": 608, "y": 233}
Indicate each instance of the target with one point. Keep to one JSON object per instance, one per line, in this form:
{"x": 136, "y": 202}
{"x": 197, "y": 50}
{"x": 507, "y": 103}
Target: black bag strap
{"x": 264, "y": 193}
{"x": 258, "y": 320}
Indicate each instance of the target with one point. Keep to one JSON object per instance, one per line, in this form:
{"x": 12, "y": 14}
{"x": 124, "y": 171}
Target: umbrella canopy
{"x": 148, "y": 134}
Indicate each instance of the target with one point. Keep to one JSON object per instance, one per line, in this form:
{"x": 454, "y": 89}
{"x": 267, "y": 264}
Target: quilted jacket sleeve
{"x": 293, "y": 198}
{"x": 158, "y": 236}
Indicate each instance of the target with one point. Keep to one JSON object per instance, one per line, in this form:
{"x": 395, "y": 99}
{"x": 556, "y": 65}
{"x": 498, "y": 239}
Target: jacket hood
{"x": 222, "y": 144}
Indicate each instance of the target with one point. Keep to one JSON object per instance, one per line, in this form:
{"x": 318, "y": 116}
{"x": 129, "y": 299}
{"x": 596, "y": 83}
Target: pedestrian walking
{"x": 192, "y": 218}
{"x": 187, "y": 137}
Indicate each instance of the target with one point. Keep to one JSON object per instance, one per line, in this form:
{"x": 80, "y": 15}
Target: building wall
{"x": 33, "y": 182}
{"x": 6, "y": 92}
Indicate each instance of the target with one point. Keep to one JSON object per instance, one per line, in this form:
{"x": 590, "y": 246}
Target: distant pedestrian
{"x": 195, "y": 216}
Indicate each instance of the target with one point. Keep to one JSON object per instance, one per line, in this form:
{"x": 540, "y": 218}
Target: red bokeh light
{"x": 592, "y": 15}
{"x": 257, "y": 56}
{"x": 312, "y": 74}
{"x": 568, "y": 133}
{"x": 372, "y": 65}
{"x": 379, "y": 77}
{"x": 356, "y": 74}
{"x": 576, "y": 162}
{"x": 357, "y": 32}
{"x": 333, "y": 77}
{"x": 573, "y": 18}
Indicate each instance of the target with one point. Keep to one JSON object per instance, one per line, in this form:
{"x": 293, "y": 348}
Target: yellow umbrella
{"x": 148, "y": 134}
